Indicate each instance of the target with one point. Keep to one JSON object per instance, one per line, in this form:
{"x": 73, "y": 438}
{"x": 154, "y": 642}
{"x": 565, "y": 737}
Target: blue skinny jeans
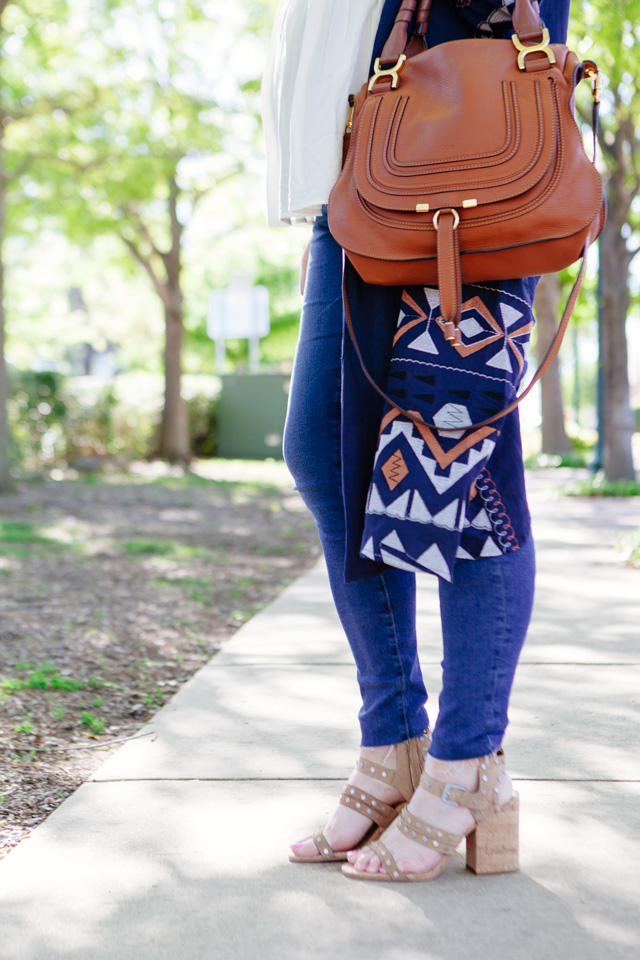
{"x": 485, "y": 612}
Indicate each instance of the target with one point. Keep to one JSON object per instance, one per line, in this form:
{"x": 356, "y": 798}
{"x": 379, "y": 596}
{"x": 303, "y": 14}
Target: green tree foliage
{"x": 609, "y": 33}
{"x": 150, "y": 106}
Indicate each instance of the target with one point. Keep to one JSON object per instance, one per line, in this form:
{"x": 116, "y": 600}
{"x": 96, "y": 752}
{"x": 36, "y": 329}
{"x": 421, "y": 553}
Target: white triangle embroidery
{"x": 368, "y": 550}
{"x": 463, "y": 516}
{"x": 481, "y": 522}
{"x": 382, "y": 443}
{"x": 457, "y": 469}
{"x": 501, "y": 360}
{"x": 462, "y": 554}
{"x": 442, "y": 483}
{"x": 490, "y": 549}
{"x": 447, "y": 517}
{"x": 398, "y": 507}
{"x": 401, "y": 317}
{"x": 396, "y": 562}
{"x": 375, "y": 504}
{"x": 433, "y": 560}
{"x": 393, "y": 540}
{"x": 424, "y": 343}
{"x": 470, "y": 327}
{"x": 476, "y": 455}
{"x": 419, "y": 511}
{"x": 433, "y": 296}
{"x": 509, "y": 314}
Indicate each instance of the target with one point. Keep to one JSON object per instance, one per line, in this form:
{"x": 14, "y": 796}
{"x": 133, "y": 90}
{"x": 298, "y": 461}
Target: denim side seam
{"x": 497, "y": 650}
{"x": 401, "y": 699}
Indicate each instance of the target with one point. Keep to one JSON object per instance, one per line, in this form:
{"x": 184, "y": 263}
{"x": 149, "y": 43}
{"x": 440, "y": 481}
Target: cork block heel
{"x": 493, "y": 846}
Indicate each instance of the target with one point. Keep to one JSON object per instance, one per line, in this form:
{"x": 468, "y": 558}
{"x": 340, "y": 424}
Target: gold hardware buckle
{"x": 591, "y": 72}
{"x": 456, "y": 217}
{"x": 349, "y": 126}
{"x": 391, "y": 72}
{"x": 542, "y": 47}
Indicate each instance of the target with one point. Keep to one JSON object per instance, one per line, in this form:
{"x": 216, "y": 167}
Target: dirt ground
{"x": 114, "y": 590}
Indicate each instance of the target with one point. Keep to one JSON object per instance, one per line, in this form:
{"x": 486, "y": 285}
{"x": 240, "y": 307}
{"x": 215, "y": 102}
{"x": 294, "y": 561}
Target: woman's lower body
{"x": 485, "y": 611}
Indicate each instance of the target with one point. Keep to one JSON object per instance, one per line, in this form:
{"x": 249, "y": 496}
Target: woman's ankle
{"x": 464, "y": 773}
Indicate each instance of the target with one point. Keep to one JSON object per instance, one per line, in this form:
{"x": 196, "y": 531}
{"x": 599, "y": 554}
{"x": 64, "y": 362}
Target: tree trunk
{"x": 6, "y": 480}
{"x": 615, "y": 261}
{"x": 546, "y": 303}
{"x": 174, "y": 431}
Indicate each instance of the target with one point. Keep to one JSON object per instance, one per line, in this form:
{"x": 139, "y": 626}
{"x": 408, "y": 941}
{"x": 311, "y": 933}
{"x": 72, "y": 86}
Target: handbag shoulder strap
{"x": 526, "y": 23}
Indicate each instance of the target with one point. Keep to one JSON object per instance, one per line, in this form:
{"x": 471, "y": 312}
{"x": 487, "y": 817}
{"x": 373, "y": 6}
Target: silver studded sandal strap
{"x": 324, "y": 847}
{"x": 484, "y": 803}
{"x": 387, "y": 860}
{"x": 365, "y": 803}
{"x": 410, "y": 762}
{"x": 426, "y": 834}
{"x": 376, "y": 770}
{"x": 448, "y": 792}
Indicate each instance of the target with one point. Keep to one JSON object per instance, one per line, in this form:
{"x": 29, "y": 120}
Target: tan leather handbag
{"x": 465, "y": 163}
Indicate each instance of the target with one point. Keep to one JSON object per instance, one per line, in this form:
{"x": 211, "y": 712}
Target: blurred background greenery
{"x": 132, "y": 185}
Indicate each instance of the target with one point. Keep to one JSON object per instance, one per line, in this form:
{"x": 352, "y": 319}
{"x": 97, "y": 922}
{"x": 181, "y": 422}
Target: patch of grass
{"x": 268, "y": 548}
{"x": 95, "y": 724}
{"x": 196, "y": 588}
{"x": 19, "y": 531}
{"x": 241, "y": 585}
{"x": 599, "y": 486}
{"x": 45, "y": 677}
{"x": 21, "y": 540}
{"x": 139, "y": 546}
{"x": 543, "y": 461}
{"x": 154, "y": 699}
{"x": 25, "y": 727}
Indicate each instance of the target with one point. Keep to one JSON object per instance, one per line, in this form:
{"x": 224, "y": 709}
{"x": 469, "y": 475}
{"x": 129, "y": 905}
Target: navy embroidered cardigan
{"x": 476, "y": 503}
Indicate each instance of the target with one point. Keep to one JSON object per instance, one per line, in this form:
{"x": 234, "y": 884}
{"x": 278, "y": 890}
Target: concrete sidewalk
{"x": 177, "y": 847}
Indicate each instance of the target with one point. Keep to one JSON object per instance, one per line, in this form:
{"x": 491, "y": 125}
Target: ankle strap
{"x": 482, "y": 803}
{"x": 410, "y": 764}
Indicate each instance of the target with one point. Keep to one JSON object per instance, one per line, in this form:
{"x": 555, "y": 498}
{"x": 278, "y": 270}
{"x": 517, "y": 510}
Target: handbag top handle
{"x": 526, "y": 22}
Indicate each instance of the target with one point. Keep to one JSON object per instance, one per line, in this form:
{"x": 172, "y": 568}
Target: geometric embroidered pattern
{"x": 395, "y": 469}
{"x": 432, "y": 501}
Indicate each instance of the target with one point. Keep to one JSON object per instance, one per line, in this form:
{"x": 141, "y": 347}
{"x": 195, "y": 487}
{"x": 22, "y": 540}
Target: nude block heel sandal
{"x": 405, "y": 778}
{"x": 493, "y": 846}
{"x": 492, "y": 842}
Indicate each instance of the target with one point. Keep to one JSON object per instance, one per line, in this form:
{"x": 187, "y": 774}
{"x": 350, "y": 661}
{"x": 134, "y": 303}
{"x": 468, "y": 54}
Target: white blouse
{"x": 319, "y": 53}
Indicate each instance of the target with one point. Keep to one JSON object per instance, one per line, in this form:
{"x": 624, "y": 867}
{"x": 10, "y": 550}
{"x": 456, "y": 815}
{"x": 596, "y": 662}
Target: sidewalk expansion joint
{"x": 329, "y": 779}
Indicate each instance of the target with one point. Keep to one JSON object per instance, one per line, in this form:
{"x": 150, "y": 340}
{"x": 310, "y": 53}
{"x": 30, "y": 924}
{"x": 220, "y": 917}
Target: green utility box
{"x": 251, "y": 414}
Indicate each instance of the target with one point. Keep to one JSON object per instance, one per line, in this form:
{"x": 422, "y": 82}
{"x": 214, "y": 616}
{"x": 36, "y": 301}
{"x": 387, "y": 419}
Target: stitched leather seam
{"x": 401, "y": 106}
{"x": 394, "y": 130}
{"x": 481, "y": 221}
{"x": 463, "y": 253}
{"x": 441, "y": 187}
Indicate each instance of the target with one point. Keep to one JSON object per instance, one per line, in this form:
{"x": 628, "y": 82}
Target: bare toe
{"x": 304, "y": 848}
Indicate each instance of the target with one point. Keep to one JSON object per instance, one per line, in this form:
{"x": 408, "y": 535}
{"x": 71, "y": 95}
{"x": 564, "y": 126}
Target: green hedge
{"x": 56, "y": 419}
